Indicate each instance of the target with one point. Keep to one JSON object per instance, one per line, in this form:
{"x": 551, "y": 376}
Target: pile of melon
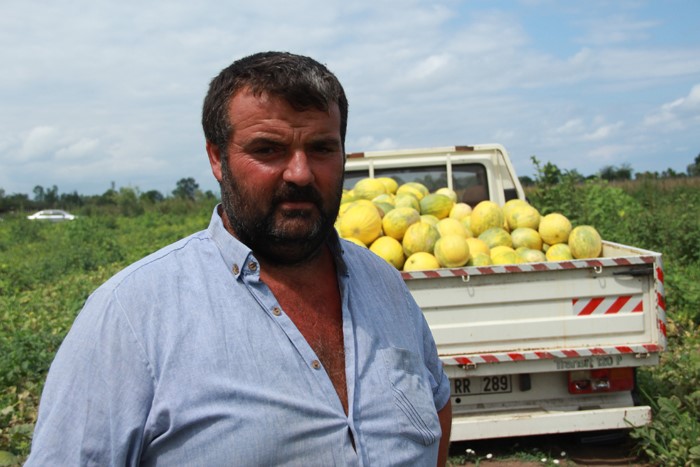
{"x": 414, "y": 229}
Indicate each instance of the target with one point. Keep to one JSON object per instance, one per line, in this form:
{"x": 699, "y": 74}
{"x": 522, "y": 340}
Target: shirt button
{"x": 276, "y": 311}
{"x": 252, "y": 265}
{"x": 235, "y": 269}
{"x": 316, "y": 365}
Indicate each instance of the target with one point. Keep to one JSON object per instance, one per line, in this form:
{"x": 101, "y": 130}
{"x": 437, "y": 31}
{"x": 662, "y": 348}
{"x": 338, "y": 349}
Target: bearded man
{"x": 264, "y": 339}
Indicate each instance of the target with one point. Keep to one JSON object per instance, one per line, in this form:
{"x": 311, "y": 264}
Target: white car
{"x": 54, "y": 215}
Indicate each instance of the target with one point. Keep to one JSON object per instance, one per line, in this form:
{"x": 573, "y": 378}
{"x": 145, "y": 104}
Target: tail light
{"x": 601, "y": 380}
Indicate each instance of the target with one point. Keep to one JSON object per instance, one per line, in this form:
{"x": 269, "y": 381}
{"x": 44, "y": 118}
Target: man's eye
{"x": 325, "y": 149}
{"x": 263, "y": 150}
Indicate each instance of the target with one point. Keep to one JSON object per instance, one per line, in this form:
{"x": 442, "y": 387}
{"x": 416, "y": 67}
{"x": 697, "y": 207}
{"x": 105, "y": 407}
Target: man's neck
{"x": 301, "y": 274}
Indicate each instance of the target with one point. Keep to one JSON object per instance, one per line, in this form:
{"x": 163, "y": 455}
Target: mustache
{"x": 290, "y": 192}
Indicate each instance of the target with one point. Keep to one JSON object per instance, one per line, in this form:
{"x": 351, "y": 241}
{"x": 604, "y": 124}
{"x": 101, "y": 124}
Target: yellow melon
{"x": 559, "y": 252}
{"x": 390, "y": 249}
{"x": 384, "y": 208}
{"x": 361, "y": 221}
{"x": 436, "y": 205}
{"x": 396, "y": 221}
{"x": 421, "y": 261}
{"x": 448, "y": 226}
{"x": 513, "y": 203}
{"x": 430, "y": 219}
{"x": 503, "y": 255}
{"x": 585, "y": 242}
{"x": 389, "y": 183}
{"x": 414, "y": 188}
{"x": 522, "y": 215}
{"x": 484, "y": 216}
{"x": 449, "y": 192}
{"x": 480, "y": 259}
{"x": 496, "y": 236}
{"x": 460, "y": 211}
{"x": 384, "y": 198}
{"x": 344, "y": 207}
{"x": 478, "y": 246}
{"x": 347, "y": 196}
{"x": 406, "y": 200}
{"x": 420, "y": 236}
{"x": 527, "y": 237}
{"x": 368, "y": 188}
{"x": 528, "y": 255}
{"x": 452, "y": 251}
{"x": 467, "y": 222}
{"x": 554, "y": 228}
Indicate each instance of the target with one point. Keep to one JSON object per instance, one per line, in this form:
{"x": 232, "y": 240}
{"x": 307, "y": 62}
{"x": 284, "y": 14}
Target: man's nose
{"x": 298, "y": 169}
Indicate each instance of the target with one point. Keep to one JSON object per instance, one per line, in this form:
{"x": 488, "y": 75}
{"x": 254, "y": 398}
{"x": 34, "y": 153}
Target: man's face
{"x": 282, "y": 177}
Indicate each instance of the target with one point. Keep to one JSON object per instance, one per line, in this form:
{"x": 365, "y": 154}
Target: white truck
{"x": 535, "y": 348}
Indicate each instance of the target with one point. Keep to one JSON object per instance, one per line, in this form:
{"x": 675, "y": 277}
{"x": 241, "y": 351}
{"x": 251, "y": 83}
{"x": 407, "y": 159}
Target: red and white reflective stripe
{"x": 608, "y": 305}
{"x": 506, "y": 357}
{"x": 660, "y": 302}
{"x": 527, "y": 267}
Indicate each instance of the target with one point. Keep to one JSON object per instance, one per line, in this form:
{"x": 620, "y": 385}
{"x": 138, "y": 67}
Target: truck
{"x": 530, "y": 348}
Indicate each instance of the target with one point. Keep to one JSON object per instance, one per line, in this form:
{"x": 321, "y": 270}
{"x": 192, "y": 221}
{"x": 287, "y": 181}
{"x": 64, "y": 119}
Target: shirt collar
{"x": 234, "y": 253}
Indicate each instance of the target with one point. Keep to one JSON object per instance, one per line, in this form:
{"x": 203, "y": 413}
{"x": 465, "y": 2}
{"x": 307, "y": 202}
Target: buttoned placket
{"x": 263, "y": 295}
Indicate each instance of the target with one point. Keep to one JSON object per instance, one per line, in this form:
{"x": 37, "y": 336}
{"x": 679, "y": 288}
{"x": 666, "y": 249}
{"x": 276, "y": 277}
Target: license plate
{"x": 481, "y": 385}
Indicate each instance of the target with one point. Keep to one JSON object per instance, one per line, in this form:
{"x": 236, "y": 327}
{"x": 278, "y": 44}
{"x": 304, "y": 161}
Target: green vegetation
{"x": 47, "y": 271}
{"x": 660, "y": 215}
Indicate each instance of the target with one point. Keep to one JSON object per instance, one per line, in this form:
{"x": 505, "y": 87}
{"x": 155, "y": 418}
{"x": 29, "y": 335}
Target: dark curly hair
{"x": 302, "y": 81}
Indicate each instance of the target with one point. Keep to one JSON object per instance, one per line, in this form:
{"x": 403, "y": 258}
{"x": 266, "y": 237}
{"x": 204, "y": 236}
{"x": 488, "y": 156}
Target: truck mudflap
{"x": 504, "y": 425}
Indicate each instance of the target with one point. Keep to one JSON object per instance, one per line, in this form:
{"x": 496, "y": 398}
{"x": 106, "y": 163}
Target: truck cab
{"x": 475, "y": 173}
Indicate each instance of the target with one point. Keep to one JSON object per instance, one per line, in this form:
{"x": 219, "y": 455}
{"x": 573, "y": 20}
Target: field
{"x": 47, "y": 271}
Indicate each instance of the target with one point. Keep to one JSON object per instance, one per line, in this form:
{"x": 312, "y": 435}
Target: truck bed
{"x": 559, "y": 316}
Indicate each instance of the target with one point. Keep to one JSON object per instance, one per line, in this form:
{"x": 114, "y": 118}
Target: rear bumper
{"x": 471, "y": 427}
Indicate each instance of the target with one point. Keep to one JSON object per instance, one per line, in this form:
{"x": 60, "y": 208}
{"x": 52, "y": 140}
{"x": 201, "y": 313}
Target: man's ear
{"x": 215, "y": 159}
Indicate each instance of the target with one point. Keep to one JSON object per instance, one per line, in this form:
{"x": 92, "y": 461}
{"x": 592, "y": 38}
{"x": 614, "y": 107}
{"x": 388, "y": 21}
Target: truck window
{"x": 468, "y": 180}
{"x": 470, "y": 183}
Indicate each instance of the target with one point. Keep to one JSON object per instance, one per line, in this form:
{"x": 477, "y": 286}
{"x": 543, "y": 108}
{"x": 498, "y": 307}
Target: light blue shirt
{"x": 186, "y": 358}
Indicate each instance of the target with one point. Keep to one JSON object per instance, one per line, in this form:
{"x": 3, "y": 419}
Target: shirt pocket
{"x": 413, "y": 397}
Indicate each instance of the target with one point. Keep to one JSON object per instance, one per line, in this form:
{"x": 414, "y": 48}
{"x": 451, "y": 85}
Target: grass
{"x": 47, "y": 271}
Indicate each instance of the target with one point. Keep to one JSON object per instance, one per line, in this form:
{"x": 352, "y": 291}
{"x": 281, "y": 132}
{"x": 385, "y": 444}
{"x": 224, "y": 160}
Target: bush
{"x": 658, "y": 216}
{"x": 673, "y": 390}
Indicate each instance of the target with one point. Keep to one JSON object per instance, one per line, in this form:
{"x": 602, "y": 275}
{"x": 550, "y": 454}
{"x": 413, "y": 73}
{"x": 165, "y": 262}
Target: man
{"x": 263, "y": 340}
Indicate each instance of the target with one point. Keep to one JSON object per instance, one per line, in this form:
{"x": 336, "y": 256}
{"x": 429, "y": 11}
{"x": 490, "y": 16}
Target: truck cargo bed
{"x": 607, "y": 311}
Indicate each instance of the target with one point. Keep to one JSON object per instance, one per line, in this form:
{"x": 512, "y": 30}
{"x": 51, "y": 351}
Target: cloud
{"x": 114, "y": 92}
{"x": 572, "y": 126}
{"x": 677, "y": 115}
{"x": 39, "y": 141}
{"x": 610, "y": 153}
{"x": 603, "y": 132}
{"x": 82, "y": 148}
{"x": 370, "y": 143}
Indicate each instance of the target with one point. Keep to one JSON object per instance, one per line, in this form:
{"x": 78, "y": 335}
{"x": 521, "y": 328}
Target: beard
{"x": 280, "y": 237}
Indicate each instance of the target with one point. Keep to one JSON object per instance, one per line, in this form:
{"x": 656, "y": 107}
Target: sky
{"x": 95, "y": 94}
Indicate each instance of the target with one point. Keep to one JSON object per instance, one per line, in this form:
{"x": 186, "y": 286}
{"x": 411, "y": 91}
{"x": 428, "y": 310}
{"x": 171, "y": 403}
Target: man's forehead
{"x": 246, "y": 104}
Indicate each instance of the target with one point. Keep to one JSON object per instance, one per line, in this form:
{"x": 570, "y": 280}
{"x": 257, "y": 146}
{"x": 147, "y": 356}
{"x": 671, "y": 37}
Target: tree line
{"x": 132, "y": 201}
{"x": 553, "y": 174}
{"x": 125, "y": 200}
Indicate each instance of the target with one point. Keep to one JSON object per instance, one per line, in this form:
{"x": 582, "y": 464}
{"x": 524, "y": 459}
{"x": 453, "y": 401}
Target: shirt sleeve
{"x": 97, "y": 394}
